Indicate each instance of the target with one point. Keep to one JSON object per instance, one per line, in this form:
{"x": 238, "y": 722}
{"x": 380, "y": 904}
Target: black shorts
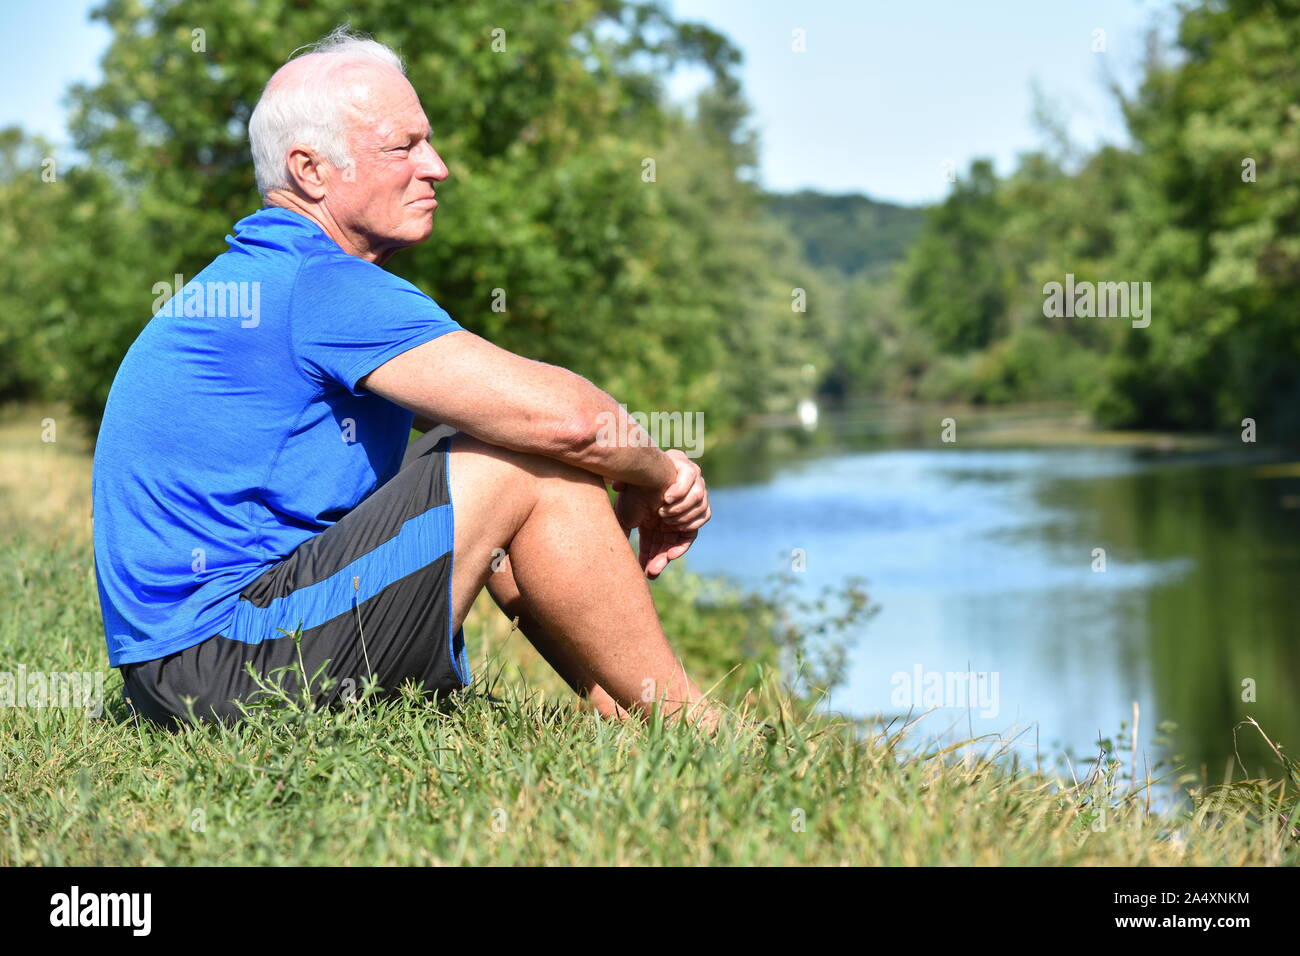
{"x": 372, "y": 594}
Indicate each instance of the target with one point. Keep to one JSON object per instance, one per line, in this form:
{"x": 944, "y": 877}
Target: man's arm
{"x": 504, "y": 399}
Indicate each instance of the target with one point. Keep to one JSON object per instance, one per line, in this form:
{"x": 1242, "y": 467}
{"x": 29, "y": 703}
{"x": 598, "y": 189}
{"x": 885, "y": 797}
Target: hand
{"x": 668, "y": 522}
{"x": 686, "y": 500}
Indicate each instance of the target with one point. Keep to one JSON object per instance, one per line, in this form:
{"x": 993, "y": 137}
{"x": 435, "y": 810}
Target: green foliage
{"x": 955, "y": 279}
{"x": 74, "y": 276}
{"x": 1222, "y": 252}
{"x": 677, "y": 292}
{"x": 850, "y": 234}
{"x": 27, "y": 230}
{"x": 843, "y": 251}
{"x": 1031, "y": 365}
{"x": 661, "y": 288}
{"x": 1206, "y": 209}
{"x": 738, "y": 639}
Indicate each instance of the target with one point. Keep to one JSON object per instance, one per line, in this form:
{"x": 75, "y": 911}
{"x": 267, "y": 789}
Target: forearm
{"x": 561, "y": 415}
{"x": 615, "y": 447}
{"x": 505, "y": 399}
{"x": 605, "y": 442}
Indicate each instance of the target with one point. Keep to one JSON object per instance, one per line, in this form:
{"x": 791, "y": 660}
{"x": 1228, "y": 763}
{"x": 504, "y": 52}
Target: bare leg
{"x": 505, "y": 591}
{"x": 584, "y": 590}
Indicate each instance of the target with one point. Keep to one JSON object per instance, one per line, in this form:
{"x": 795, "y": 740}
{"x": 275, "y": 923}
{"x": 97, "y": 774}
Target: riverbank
{"x": 532, "y": 779}
{"x": 768, "y": 442}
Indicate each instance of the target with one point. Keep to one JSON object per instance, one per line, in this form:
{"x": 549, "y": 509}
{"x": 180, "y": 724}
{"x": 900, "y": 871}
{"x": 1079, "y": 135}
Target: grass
{"x": 532, "y": 778}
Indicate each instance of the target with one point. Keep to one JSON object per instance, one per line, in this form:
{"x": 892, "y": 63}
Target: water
{"x": 987, "y": 561}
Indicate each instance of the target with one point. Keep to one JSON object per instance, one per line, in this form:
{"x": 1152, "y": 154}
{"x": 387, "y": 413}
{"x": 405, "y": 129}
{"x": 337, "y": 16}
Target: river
{"x": 1070, "y": 582}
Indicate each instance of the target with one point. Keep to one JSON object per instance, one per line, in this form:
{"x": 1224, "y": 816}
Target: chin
{"x": 423, "y": 227}
{"x": 412, "y": 235}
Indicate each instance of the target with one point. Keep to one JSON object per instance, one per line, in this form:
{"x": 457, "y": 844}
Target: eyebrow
{"x": 406, "y": 135}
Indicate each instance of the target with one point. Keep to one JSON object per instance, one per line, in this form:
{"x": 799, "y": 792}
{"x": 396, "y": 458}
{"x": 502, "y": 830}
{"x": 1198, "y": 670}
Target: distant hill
{"x": 848, "y": 233}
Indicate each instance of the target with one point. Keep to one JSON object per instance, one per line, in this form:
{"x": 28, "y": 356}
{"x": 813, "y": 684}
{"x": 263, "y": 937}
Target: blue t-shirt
{"x": 234, "y": 430}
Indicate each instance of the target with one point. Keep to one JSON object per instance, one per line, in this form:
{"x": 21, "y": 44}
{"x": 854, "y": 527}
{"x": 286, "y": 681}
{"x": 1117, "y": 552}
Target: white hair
{"x": 312, "y": 109}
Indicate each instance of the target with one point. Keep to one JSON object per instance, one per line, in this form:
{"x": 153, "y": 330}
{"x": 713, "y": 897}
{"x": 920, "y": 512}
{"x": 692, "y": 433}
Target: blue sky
{"x": 885, "y": 93}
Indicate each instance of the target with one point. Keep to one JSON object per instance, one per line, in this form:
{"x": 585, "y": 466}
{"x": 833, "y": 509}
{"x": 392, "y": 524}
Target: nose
{"x": 431, "y": 164}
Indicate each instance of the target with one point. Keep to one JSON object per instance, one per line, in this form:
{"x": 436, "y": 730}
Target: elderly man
{"x": 250, "y": 481}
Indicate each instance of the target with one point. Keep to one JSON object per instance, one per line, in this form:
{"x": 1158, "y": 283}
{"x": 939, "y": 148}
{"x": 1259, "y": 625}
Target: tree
{"x": 955, "y": 280}
{"x": 585, "y": 222}
{"x": 1216, "y": 227}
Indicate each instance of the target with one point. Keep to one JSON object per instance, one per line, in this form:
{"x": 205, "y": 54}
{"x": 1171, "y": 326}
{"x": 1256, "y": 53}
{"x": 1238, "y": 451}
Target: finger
{"x": 677, "y": 490}
{"x": 677, "y": 550}
{"x": 659, "y": 546}
{"x": 677, "y": 498}
{"x": 655, "y": 561}
{"x": 692, "y": 507}
{"x": 686, "y": 475}
{"x": 655, "y": 567}
{"x": 692, "y": 521}
{"x": 690, "y": 501}
{"x": 669, "y": 548}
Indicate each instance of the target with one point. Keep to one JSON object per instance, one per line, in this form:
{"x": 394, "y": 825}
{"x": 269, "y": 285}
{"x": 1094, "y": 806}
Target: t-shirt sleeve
{"x": 349, "y": 317}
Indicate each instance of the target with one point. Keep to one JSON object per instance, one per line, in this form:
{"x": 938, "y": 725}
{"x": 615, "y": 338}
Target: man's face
{"x": 386, "y": 198}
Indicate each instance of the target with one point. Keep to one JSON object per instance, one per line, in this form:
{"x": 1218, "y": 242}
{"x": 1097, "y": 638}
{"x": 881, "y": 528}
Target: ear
{"x": 306, "y": 172}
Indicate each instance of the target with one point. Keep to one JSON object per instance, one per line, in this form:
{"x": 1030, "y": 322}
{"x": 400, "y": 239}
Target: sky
{"x": 888, "y": 92}
{"x": 46, "y": 47}
{"x": 885, "y": 98}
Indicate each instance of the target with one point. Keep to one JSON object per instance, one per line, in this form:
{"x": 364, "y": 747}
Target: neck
{"x": 349, "y": 241}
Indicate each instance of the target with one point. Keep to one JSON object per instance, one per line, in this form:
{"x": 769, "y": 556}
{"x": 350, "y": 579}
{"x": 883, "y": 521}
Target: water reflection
{"x": 1084, "y": 579}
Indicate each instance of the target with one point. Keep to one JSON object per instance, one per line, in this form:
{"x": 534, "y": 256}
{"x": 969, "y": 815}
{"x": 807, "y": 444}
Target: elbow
{"x": 580, "y": 437}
